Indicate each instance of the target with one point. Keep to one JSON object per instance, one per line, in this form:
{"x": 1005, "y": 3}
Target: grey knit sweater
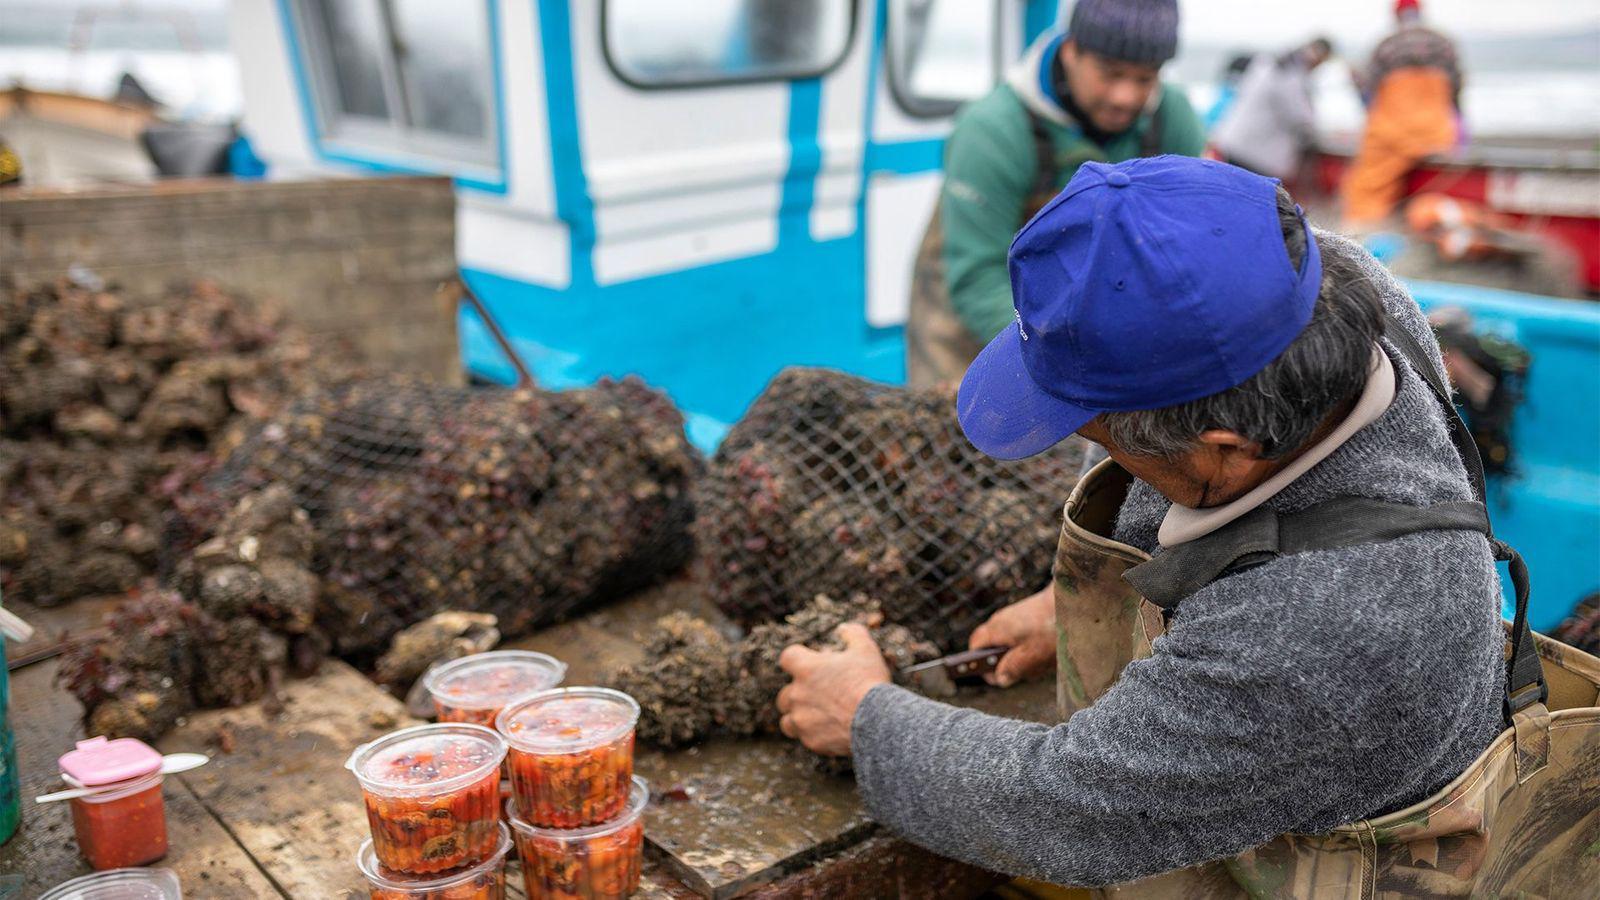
{"x": 1312, "y": 691}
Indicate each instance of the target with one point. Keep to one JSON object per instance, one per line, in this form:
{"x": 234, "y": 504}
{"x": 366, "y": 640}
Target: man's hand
{"x": 1028, "y": 627}
{"x": 820, "y": 703}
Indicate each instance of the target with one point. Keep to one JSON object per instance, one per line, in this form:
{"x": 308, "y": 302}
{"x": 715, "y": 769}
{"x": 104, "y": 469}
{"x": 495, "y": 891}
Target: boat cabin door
{"x": 936, "y": 55}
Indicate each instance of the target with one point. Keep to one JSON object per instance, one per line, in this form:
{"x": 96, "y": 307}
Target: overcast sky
{"x": 1221, "y": 20}
{"x": 1256, "y": 22}
{"x": 1249, "y": 22}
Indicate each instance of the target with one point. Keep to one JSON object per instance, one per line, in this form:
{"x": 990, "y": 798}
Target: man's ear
{"x": 1231, "y": 445}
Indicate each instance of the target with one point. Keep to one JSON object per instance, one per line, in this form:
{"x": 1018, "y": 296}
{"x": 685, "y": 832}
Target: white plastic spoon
{"x": 170, "y": 764}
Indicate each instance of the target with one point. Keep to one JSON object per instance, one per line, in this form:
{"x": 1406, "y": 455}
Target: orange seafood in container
{"x": 432, "y": 795}
{"x": 600, "y": 862}
{"x": 571, "y": 755}
{"x": 484, "y": 881}
{"x": 476, "y": 688}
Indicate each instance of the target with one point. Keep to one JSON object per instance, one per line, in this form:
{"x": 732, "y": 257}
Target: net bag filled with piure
{"x": 832, "y": 484}
{"x": 526, "y": 503}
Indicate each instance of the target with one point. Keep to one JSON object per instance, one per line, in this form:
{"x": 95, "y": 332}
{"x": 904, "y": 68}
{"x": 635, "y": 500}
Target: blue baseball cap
{"x": 1142, "y": 285}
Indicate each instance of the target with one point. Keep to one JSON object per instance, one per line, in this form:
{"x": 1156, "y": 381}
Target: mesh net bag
{"x": 527, "y": 504}
{"x": 836, "y": 485}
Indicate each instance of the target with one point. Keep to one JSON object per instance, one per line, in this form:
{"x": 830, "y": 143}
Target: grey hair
{"x": 1280, "y": 406}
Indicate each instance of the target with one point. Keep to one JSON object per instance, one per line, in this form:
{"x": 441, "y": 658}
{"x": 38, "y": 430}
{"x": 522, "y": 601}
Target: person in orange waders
{"x": 1413, "y": 91}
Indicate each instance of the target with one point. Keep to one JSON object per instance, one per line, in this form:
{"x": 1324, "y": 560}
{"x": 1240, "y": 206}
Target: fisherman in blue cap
{"x": 1275, "y": 609}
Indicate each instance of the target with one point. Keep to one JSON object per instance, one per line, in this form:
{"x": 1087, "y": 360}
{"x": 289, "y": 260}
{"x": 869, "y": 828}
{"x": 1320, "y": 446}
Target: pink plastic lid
{"x": 100, "y": 761}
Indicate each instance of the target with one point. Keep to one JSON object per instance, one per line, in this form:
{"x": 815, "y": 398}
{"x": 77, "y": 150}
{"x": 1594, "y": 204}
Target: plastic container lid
{"x": 566, "y": 720}
{"x": 99, "y": 761}
{"x": 120, "y": 790}
{"x": 120, "y": 884}
{"x": 427, "y": 759}
{"x": 390, "y": 880}
{"x": 638, "y": 799}
{"x": 494, "y": 679}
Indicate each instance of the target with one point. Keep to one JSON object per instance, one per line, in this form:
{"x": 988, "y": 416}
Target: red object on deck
{"x": 1556, "y": 200}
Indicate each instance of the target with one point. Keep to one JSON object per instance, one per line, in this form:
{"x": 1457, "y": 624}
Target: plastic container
{"x": 571, "y": 755}
{"x": 595, "y": 863}
{"x": 10, "y": 781}
{"x": 12, "y": 628}
{"x": 119, "y": 884}
{"x": 476, "y": 688}
{"x": 125, "y": 822}
{"x": 432, "y": 795}
{"x": 484, "y": 881}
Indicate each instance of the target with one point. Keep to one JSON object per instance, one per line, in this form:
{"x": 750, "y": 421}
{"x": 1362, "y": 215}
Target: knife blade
{"x": 937, "y": 678}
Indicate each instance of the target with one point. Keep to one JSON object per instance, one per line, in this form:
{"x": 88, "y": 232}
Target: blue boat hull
{"x": 1549, "y": 509}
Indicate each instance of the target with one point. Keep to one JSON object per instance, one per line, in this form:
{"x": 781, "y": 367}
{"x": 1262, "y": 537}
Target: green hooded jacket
{"x": 991, "y": 173}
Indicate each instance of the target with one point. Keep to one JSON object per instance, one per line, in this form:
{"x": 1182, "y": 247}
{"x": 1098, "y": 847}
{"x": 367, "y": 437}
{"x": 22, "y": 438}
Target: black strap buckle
{"x": 1513, "y": 703}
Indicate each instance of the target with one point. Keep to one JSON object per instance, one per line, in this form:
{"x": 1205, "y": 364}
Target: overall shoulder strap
{"x": 1525, "y": 683}
{"x": 1262, "y": 535}
{"x": 1044, "y": 153}
{"x": 1461, "y": 436}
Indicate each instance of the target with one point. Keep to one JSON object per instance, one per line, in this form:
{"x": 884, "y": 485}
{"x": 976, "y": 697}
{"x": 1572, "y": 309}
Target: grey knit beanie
{"x": 1137, "y": 31}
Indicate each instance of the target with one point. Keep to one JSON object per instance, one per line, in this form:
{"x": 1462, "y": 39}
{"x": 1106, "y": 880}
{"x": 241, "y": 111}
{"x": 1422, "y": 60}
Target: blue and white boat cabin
{"x": 700, "y": 193}
{"x": 703, "y": 193}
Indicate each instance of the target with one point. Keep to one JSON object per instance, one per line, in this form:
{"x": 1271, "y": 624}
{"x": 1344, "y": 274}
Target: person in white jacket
{"x": 1273, "y": 120}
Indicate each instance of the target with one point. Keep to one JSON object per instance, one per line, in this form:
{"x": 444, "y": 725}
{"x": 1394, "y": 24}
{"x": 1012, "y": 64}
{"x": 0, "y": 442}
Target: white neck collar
{"x": 1185, "y": 524}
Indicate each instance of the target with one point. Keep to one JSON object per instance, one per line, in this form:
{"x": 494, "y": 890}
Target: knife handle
{"x": 974, "y": 662}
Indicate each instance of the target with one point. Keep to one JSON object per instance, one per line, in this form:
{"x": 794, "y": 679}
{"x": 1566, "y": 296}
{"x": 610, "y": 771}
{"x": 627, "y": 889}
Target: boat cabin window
{"x": 942, "y": 53}
{"x": 412, "y": 75}
{"x": 650, "y": 44}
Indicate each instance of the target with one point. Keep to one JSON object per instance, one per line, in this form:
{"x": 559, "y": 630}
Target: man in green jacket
{"x": 1093, "y": 92}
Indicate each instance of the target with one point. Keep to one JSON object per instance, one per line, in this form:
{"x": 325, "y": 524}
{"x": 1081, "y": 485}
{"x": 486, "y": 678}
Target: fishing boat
{"x": 66, "y": 138}
{"x": 1543, "y": 186}
{"x": 702, "y": 194}
{"x": 71, "y": 126}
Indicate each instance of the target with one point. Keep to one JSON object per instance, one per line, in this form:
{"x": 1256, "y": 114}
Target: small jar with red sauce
{"x": 476, "y": 688}
{"x": 432, "y": 794}
{"x": 124, "y": 822}
{"x": 600, "y": 862}
{"x": 571, "y": 755}
{"x": 483, "y": 881}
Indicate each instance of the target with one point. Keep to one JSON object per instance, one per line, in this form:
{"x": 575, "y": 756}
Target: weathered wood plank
{"x": 206, "y": 859}
{"x": 365, "y": 253}
{"x": 283, "y": 791}
{"x": 758, "y": 810}
{"x": 279, "y": 815}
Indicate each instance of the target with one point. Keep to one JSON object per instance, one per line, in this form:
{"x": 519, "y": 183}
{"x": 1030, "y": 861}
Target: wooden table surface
{"x": 275, "y": 813}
